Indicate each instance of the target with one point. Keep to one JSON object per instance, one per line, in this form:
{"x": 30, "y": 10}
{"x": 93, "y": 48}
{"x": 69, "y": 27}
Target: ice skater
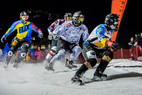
{"x": 56, "y": 24}
{"x": 23, "y": 37}
{"x": 99, "y": 45}
{"x": 70, "y": 33}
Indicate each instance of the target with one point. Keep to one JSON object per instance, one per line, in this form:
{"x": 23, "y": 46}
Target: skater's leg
{"x": 51, "y": 53}
{"x": 11, "y": 52}
{"x": 73, "y": 56}
{"x": 90, "y": 57}
{"x": 58, "y": 56}
{"x": 24, "y": 49}
{"x": 75, "y": 53}
{"x": 107, "y": 57}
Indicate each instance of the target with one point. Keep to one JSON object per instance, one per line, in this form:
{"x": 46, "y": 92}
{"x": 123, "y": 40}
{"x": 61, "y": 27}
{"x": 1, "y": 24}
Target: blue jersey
{"x": 98, "y": 34}
{"x": 23, "y": 30}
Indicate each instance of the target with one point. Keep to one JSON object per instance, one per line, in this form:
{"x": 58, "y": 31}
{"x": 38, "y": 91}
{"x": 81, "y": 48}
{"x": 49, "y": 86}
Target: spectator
{"x": 39, "y": 55}
{"x": 32, "y": 54}
{"x": 138, "y": 40}
{"x": 131, "y": 43}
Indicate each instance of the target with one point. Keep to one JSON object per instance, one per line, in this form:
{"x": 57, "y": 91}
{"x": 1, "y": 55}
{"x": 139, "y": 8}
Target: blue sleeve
{"x": 35, "y": 28}
{"x": 100, "y": 31}
{"x": 11, "y": 29}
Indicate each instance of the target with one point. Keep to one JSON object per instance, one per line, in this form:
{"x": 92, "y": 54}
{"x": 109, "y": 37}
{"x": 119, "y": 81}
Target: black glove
{"x": 3, "y": 38}
{"x": 115, "y": 46}
{"x": 41, "y": 35}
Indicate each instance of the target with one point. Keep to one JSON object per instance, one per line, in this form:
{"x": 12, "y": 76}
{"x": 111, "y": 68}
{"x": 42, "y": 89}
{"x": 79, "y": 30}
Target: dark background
{"x": 45, "y": 12}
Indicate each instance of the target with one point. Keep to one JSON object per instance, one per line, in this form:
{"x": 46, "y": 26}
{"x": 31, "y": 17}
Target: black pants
{"x": 62, "y": 44}
{"x": 93, "y": 52}
{"x": 16, "y": 43}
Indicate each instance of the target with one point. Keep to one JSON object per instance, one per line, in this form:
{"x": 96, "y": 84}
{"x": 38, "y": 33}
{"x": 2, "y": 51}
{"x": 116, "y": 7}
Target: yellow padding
{"x": 104, "y": 41}
{"x": 106, "y": 58}
{"x": 101, "y": 44}
{"x": 98, "y": 44}
{"x": 88, "y": 65}
{"x": 14, "y": 43}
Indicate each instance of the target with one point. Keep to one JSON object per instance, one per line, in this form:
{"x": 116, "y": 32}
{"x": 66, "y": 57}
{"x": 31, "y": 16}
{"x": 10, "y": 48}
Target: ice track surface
{"x": 33, "y": 79}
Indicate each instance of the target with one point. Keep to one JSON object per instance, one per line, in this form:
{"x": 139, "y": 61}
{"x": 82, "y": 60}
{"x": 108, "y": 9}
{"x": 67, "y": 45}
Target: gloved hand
{"x": 3, "y": 38}
{"x": 40, "y": 35}
{"x": 50, "y": 35}
{"x": 55, "y": 37}
{"x": 113, "y": 45}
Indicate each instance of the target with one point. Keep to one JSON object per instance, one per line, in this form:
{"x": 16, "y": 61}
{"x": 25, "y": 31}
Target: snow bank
{"x": 33, "y": 79}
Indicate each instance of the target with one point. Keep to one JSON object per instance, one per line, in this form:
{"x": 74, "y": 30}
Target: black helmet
{"x": 67, "y": 15}
{"x": 78, "y": 18}
{"x": 24, "y": 13}
{"x": 110, "y": 21}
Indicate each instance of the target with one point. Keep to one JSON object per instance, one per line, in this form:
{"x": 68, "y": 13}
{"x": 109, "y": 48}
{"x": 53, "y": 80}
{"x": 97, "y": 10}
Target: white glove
{"x": 50, "y": 35}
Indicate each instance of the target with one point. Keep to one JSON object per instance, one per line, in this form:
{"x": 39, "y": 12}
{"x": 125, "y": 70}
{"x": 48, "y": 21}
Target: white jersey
{"x": 99, "y": 33}
{"x": 68, "y": 32}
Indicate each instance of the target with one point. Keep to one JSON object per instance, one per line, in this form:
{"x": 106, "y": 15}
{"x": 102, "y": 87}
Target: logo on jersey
{"x": 82, "y": 29}
{"x": 23, "y": 29}
{"x": 100, "y": 29}
{"x": 68, "y": 25}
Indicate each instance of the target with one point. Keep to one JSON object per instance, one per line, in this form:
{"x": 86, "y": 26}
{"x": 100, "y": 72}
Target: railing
{"x": 135, "y": 54}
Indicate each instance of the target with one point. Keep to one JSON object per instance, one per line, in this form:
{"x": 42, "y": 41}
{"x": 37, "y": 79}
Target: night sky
{"x": 45, "y": 12}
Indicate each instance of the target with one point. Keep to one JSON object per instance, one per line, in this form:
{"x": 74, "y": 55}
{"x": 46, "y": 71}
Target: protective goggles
{"x": 80, "y": 19}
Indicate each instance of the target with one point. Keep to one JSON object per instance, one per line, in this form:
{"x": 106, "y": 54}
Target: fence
{"x": 134, "y": 54}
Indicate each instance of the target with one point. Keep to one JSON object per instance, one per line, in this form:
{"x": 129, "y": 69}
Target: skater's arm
{"x": 52, "y": 27}
{"x": 11, "y": 29}
{"x": 37, "y": 30}
{"x": 61, "y": 29}
{"x": 85, "y": 34}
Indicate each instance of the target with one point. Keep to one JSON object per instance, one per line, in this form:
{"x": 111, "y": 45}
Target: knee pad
{"x": 107, "y": 56}
{"x": 53, "y": 50}
{"x": 25, "y": 46}
{"x": 23, "y": 55}
{"x": 90, "y": 64}
{"x": 10, "y": 53}
{"x": 91, "y": 55}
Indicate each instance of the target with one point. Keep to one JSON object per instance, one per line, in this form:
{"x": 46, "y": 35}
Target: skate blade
{"x": 77, "y": 83}
{"x": 102, "y": 78}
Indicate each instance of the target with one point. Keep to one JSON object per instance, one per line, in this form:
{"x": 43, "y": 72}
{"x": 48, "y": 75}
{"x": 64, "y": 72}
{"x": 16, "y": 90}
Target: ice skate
{"x": 46, "y": 63}
{"x": 70, "y": 65}
{"x": 7, "y": 62}
{"x": 5, "y": 65}
{"x": 77, "y": 80}
{"x": 99, "y": 77}
{"x": 49, "y": 67}
{"x": 15, "y": 65}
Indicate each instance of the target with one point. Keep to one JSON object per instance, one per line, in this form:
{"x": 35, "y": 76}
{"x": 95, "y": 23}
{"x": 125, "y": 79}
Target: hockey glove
{"x": 3, "y": 38}
{"x": 113, "y": 45}
{"x": 50, "y": 35}
{"x": 55, "y": 37}
{"x": 40, "y": 35}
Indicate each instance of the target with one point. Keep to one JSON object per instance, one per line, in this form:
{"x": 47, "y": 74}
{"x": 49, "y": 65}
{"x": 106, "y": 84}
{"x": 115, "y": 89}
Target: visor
{"x": 81, "y": 19}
